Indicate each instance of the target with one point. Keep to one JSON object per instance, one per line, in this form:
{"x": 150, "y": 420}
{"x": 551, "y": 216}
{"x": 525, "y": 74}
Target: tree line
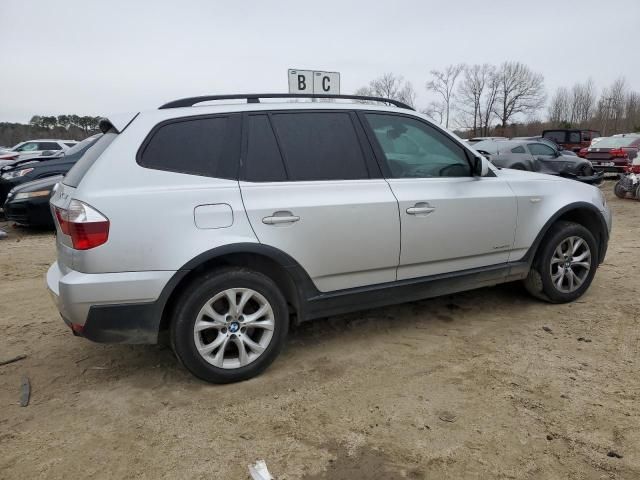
{"x": 63, "y": 127}
{"x": 508, "y": 99}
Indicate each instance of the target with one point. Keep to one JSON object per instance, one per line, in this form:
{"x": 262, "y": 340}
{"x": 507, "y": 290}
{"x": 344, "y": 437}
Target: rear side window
{"x": 208, "y": 146}
{"x": 557, "y": 136}
{"x": 320, "y": 146}
{"x": 49, "y": 146}
{"x": 263, "y": 162}
{"x": 519, "y": 149}
{"x": 82, "y": 166}
{"x": 574, "y": 137}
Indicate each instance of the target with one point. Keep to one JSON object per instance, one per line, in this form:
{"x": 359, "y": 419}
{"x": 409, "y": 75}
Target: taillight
{"x": 583, "y": 152}
{"x": 619, "y": 153}
{"x": 87, "y": 227}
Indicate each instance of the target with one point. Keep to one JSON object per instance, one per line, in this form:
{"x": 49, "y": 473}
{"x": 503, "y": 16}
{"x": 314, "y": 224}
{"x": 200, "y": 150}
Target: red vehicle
{"x": 571, "y": 138}
{"x": 613, "y": 154}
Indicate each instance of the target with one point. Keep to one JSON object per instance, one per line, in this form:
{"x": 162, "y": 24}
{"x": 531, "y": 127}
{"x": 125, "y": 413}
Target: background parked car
{"x": 549, "y": 142}
{"x": 612, "y": 154}
{"x": 475, "y": 140}
{"x": 39, "y": 167}
{"x": 34, "y": 148}
{"x": 534, "y": 156}
{"x": 28, "y": 204}
{"x": 571, "y": 138}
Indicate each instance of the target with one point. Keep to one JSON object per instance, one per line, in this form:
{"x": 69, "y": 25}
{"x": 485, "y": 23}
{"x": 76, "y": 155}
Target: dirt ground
{"x": 483, "y": 384}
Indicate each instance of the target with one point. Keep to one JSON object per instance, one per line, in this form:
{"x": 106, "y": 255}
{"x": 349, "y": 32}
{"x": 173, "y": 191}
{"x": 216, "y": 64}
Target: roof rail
{"x": 255, "y": 98}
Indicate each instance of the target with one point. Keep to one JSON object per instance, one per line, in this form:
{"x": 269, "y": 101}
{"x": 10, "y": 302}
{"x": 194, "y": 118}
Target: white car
{"x": 222, "y": 224}
{"x": 34, "y": 148}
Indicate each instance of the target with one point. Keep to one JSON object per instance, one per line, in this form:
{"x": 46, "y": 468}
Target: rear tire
{"x": 619, "y": 190}
{"x": 565, "y": 264}
{"x": 229, "y": 325}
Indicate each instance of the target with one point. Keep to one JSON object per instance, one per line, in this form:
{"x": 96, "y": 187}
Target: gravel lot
{"x": 483, "y": 384}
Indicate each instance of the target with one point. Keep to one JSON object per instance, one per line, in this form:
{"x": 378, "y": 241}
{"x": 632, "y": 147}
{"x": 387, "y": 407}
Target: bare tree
{"x": 560, "y": 107}
{"x": 520, "y": 91}
{"x": 390, "y": 86}
{"x": 584, "y": 101}
{"x": 488, "y": 102}
{"x": 471, "y": 92}
{"x": 443, "y": 83}
{"x": 436, "y": 111}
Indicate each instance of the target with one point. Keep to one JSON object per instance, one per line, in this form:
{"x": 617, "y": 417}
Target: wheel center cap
{"x": 234, "y": 327}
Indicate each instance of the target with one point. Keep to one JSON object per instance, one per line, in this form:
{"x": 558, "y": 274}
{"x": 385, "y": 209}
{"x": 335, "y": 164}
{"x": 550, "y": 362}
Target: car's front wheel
{"x": 565, "y": 264}
{"x": 229, "y": 325}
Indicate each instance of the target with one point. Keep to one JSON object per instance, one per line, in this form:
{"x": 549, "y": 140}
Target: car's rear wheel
{"x": 229, "y": 325}
{"x": 586, "y": 170}
{"x": 619, "y": 190}
{"x": 565, "y": 264}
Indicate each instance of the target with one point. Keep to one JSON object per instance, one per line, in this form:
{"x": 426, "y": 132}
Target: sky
{"x": 103, "y": 57}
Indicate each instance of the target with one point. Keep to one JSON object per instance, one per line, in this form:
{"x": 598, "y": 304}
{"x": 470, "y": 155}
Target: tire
{"x": 586, "y": 170}
{"x": 638, "y": 192}
{"x": 227, "y": 331}
{"x": 619, "y": 190}
{"x": 553, "y": 282}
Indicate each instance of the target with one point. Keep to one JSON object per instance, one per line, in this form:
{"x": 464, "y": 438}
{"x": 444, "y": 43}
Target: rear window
{"x": 82, "y": 166}
{"x": 70, "y": 144}
{"x": 616, "y": 142}
{"x": 519, "y": 149}
{"x": 557, "y": 136}
{"x": 488, "y": 146}
{"x": 207, "y": 146}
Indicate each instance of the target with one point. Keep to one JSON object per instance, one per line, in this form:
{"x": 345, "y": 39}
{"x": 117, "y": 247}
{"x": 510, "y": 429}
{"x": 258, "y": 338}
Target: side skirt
{"x": 354, "y": 299}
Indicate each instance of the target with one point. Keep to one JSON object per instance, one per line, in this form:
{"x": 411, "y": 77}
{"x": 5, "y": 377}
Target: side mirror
{"x": 480, "y": 167}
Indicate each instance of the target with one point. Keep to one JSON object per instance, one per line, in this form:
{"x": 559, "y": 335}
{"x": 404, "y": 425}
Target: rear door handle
{"x": 279, "y": 218}
{"x": 421, "y": 208}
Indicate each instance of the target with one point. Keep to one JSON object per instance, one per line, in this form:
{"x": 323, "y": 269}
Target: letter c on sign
{"x": 325, "y": 84}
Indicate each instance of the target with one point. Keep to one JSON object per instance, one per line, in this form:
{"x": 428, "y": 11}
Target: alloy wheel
{"x": 570, "y": 264}
{"x": 234, "y": 328}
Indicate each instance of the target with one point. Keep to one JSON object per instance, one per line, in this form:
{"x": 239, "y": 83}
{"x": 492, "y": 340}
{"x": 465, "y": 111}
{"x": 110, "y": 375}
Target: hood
{"x": 523, "y": 174}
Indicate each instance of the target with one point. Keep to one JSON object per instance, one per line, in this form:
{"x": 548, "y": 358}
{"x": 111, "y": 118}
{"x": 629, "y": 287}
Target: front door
{"x": 450, "y": 220}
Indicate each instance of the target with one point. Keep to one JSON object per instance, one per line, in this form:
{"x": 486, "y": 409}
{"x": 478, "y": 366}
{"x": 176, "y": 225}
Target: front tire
{"x": 564, "y": 265}
{"x": 229, "y": 325}
{"x": 619, "y": 190}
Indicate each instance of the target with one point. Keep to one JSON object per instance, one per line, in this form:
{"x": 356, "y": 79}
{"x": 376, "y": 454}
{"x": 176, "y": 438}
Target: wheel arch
{"x": 286, "y": 273}
{"x": 582, "y": 213}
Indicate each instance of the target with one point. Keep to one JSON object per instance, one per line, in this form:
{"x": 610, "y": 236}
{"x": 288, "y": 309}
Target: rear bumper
{"x": 121, "y": 307}
{"x": 32, "y": 212}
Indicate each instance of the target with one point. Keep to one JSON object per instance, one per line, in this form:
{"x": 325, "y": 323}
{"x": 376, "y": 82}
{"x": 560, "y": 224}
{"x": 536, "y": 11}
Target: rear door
{"x": 451, "y": 221}
{"x": 312, "y": 189}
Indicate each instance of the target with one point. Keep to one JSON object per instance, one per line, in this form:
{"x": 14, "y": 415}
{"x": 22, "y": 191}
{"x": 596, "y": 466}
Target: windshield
{"x": 616, "y": 142}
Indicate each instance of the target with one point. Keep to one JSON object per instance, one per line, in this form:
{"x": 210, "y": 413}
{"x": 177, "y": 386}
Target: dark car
{"x": 571, "y": 138}
{"x": 28, "y": 203}
{"x": 535, "y": 156}
{"x": 39, "y": 167}
{"x": 612, "y": 154}
{"x": 549, "y": 142}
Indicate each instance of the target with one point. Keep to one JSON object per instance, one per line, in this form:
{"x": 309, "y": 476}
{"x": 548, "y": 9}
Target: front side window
{"x": 413, "y": 149}
{"x": 27, "y": 147}
{"x": 49, "y": 146}
{"x": 206, "y": 146}
{"x": 319, "y": 146}
{"x": 540, "y": 149}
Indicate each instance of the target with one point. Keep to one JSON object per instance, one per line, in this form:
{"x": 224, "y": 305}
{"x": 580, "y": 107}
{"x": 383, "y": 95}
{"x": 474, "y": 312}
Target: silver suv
{"x": 219, "y": 225}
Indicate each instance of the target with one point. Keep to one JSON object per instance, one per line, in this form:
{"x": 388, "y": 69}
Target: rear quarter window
{"x": 206, "y": 146}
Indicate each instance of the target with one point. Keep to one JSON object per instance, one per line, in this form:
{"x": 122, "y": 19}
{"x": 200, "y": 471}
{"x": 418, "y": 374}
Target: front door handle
{"x": 421, "y": 208}
{"x": 278, "y": 218}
